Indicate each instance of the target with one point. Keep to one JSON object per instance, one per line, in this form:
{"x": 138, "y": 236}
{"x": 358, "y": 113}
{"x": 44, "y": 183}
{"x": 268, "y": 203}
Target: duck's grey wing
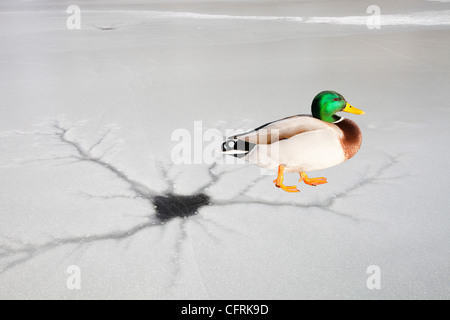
{"x": 240, "y": 145}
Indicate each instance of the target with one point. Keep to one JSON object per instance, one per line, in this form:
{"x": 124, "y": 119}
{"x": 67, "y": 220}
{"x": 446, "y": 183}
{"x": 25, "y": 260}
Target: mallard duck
{"x": 302, "y": 143}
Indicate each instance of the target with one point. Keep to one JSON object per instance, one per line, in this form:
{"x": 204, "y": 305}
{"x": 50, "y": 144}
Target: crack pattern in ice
{"x": 163, "y": 206}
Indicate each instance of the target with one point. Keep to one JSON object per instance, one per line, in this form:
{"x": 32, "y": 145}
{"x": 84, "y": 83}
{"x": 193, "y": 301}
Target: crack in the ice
{"x": 327, "y": 204}
{"x": 164, "y": 206}
{"x": 85, "y": 155}
{"x": 109, "y": 197}
{"x": 28, "y": 251}
{"x": 100, "y": 141}
{"x": 176, "y": 257}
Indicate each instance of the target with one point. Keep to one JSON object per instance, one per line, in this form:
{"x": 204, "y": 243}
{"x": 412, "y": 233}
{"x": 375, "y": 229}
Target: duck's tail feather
{"x": 237, "y": 148}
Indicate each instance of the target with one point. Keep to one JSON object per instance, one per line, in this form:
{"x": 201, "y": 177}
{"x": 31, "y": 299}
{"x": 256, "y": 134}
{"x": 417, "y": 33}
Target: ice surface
{"x": 85, "y": 141}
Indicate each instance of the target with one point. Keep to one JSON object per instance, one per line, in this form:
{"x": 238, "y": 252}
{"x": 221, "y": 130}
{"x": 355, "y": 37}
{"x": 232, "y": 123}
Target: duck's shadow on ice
{"x": 162, "y": 206}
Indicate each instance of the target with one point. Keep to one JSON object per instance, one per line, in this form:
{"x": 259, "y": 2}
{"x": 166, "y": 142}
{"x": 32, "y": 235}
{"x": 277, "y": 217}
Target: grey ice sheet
{"x": 85, "y": 143}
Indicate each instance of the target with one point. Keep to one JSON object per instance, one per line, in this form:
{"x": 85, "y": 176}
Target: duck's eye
{"x": 336, "y": 99}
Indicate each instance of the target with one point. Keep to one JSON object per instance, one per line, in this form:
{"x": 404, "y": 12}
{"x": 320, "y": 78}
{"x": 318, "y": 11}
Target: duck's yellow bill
{"x": 351, "y": 109}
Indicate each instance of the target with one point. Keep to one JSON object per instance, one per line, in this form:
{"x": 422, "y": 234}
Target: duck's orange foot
{"x": 287, "y": 188}
{"x": 312, "y": 181}
{"x": 279, "y": 181}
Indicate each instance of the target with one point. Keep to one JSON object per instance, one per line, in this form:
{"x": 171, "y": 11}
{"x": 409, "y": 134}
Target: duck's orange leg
{"x": 279, "y": 181}
{"x": 312, "y": 181}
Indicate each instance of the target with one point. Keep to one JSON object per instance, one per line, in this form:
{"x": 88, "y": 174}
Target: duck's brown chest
{"x": 352, "y": 137}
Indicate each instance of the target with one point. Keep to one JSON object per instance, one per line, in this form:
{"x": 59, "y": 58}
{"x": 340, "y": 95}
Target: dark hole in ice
{"x": 171, "y": 206}
{"x": 107, "y": 28}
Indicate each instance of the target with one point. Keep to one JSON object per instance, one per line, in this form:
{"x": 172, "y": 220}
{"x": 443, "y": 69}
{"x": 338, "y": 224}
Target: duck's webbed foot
{"x": 312, "y": 181}
{"x": 279, "y": 181}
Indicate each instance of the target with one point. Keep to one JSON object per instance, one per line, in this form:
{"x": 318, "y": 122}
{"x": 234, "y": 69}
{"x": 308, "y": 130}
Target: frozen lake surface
{"x": 87, "y": 177}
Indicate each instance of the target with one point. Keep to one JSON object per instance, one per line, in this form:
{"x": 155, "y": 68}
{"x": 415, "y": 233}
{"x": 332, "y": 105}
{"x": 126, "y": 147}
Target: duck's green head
{"x": 327, "y": 103}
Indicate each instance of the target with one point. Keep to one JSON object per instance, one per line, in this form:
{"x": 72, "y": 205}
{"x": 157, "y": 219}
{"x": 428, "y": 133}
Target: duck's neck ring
{"x": 339, "y": 120}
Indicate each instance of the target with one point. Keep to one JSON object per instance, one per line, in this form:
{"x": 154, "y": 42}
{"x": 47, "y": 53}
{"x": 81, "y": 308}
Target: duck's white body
{"x": 300, "y": 143}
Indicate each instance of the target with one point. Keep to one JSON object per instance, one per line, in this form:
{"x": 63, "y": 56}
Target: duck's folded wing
{"x": 281, "y": 130}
